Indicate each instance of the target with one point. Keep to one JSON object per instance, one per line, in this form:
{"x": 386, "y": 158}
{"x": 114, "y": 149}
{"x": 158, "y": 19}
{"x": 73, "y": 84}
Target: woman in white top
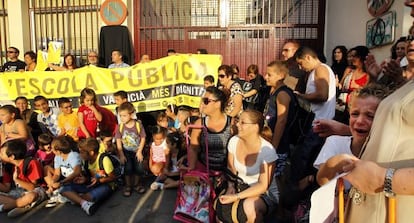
{"x": 253, "y": 159}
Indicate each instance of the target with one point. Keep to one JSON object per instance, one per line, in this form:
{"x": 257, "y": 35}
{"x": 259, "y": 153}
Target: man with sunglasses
{"x": 14, "y": 64}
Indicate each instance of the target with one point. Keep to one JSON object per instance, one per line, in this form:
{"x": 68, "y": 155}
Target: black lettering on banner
{"x": 33, "y": 82}
{"x": 63, "y": 86}
{"x": 137, "y": 77}
{"x": 46, "y": 86}
{"x": 116, "y": 78}
{"x": 186, "y": 75}
{"x": 20, "y": 86}
{"x": 152, "y": 75}
{"x": 165, "y": 74}
{"x": 90, "y": 83}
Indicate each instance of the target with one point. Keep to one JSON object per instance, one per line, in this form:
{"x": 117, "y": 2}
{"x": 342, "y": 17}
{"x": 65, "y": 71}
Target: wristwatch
{"x": 388, "y": 183}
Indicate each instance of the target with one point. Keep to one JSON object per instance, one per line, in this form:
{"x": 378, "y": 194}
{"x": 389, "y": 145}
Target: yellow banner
{"x": 176, "y": 79}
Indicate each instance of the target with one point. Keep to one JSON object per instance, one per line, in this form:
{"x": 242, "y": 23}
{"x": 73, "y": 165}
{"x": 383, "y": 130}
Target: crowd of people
{"x": 82, "y": 157}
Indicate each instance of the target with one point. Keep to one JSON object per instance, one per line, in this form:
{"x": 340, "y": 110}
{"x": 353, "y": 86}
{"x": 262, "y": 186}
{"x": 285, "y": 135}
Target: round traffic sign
{"x": 113, "y": 12}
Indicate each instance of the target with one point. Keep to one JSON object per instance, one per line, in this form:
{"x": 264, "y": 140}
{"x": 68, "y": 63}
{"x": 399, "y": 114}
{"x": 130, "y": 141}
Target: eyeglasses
{"x": 11, "y": 52}
{"x": 221, "y": 75}
{"x": 241, "y": 122}
{"x": 206, "y": 101}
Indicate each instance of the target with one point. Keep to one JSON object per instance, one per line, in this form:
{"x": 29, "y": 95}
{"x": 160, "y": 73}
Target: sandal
{"x": 140, "y": 189}
{"x": 127, "y": 192}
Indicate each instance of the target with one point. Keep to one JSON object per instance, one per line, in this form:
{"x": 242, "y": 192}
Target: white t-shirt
{"x": 250, "y": 174}
{"x": 334, "y": 145}
{"x": 323, "y": 110}
{"x": 67, "y": 166}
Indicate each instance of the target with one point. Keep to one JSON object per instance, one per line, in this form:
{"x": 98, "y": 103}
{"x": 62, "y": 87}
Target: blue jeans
{"x": 97, "y": 193}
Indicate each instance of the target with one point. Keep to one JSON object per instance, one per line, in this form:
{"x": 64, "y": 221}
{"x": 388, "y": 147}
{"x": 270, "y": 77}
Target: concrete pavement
{"x": 151, "y": 207}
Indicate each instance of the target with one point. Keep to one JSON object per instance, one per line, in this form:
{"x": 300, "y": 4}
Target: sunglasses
{"x": 206, "y": 101}
{"x": 11, "y": 52}
{"x": 221, "y": 75}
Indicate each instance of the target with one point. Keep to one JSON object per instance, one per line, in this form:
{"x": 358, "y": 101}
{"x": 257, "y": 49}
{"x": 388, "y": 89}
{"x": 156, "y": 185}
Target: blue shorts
{"x": 97, "y": 193}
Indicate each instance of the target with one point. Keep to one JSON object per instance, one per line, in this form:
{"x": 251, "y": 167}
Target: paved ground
{"x": 153, "y": 206}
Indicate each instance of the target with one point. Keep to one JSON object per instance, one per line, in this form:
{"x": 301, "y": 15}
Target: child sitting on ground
{"x": 158, "y": 152}
{"x": 96, "y": 184}
{"x": 28, "y": 192}
{"x": 44, "y": 154}
{"x": 67, "y": 166}
{"x": 175, "y": 155}
{"x": 106, "y": 144}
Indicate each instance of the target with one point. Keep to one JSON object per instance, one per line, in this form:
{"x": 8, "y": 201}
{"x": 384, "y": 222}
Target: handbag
{"x": 195, "y": 192}
{"x": 231, "y": 212}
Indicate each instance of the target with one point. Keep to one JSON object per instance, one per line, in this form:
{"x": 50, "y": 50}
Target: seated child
{"x": 106, "y": 142}
{"x": 6, "y": 172}
{"x": 158, "y": 151}
{"x": 44, "y": 154}
{"x": 28, "y": 191}
{"x": 67, "y": 166}
{"x": 174, "y": 154}
{"x": 95, "y": 185}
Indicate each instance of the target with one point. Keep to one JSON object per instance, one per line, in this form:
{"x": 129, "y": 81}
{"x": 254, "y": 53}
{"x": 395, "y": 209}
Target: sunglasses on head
{"x": 206, "y": 101}
{"x": 221, "y": 75}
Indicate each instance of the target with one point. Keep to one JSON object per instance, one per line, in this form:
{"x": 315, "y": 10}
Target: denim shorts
{"x": 97, "y": 193}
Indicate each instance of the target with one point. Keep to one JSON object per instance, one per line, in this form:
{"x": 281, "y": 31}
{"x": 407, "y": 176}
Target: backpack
{"x": 121, "y": 127}
{"x": 302, "y": 120}
{"x": 116, "y": 163}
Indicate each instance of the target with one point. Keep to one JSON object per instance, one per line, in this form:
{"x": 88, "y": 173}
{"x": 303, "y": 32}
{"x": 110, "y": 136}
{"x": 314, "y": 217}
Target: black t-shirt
{"x": 13, "y": 66}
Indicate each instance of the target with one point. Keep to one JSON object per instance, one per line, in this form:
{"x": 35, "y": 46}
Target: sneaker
{"x": 62, "y": 199}
{"x": 52, "y": 202}
{"x": 157, "y": 186}
{"x": 89, "y": 207}
{"x": 19, "y": 211}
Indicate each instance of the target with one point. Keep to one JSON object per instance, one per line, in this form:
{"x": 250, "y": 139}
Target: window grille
{"x": 76, "y": 23}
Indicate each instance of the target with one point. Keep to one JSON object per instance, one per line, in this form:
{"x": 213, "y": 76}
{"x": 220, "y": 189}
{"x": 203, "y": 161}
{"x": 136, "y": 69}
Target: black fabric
{"x": 115, "y": 37}
{"x": 13, "y": 66}
{"x": 271, "y": 117}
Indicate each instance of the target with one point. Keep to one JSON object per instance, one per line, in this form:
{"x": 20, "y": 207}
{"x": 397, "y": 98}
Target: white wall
{"x": 346, "y": 25}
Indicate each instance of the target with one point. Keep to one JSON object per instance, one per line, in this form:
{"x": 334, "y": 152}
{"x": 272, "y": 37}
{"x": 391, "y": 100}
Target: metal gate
{"x": 244, "y": 32}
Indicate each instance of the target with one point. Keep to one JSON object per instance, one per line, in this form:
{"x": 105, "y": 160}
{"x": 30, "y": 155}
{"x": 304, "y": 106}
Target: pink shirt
{"x": 158, "y": 154}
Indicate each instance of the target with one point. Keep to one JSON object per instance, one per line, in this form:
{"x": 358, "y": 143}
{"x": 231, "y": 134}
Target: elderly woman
{"x": 253, "y": 159}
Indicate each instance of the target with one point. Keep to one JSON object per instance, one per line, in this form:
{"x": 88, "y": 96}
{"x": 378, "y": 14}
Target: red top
{"x": 89, "y": 120}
